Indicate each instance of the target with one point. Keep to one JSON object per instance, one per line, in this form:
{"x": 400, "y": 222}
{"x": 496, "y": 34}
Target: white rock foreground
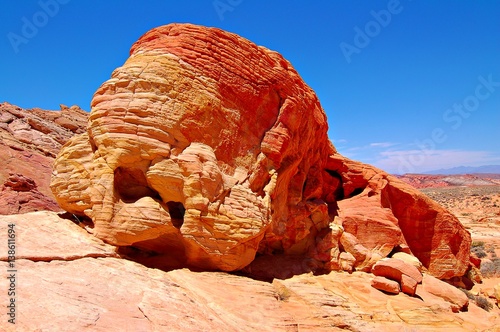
{"x": 67, "y": 280}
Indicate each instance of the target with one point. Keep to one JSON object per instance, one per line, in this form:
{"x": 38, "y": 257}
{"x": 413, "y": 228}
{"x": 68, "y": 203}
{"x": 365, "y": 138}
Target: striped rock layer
{"x": 208, "y": 151}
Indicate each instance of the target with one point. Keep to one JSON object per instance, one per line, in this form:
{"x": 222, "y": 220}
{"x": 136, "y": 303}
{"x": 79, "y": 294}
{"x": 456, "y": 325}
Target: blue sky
{"x": 408, "y": 86}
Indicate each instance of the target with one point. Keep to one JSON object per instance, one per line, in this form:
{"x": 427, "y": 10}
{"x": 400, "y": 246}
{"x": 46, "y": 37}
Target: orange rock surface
{"x": 386, "y": 285}
{"x": 395, "y": 269}
{"x": 208, "y": 150}
{"x": 68, "y": 280}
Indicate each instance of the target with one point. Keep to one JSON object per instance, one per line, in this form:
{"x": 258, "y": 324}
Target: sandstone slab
{"x": 84, "y": 287}
{"x": 408, "y": 285}
{"x": 386, "y": 285}
{"x": 457, "y": 299}
{"x": 45, "y": 236}
{"x": 394, "y": 269}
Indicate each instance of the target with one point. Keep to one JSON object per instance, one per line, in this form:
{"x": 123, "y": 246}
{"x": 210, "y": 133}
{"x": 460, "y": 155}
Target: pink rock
{"x": 394, "y": 269}
{"x": 29, "y": 141}
{"x": 20, "y": 194}
{"x": 457, "y": 298}
{"x": 386, "y": 285}
{"x": 396, "y": 215}
{"x": 408, "y": 285}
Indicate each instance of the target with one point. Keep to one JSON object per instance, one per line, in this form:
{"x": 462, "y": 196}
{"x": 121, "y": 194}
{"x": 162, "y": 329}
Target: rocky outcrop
{"x": 68, "y": 280}
{"x": 385, "y": 214}
{"x": 20, "y": 194}
{"x": 29, "y": 141}
{"x": 211, "y": 152}
{"x": 457, "y": 299}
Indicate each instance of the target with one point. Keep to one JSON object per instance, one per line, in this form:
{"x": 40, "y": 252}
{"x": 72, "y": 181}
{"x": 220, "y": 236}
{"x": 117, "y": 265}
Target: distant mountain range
{"x": 488, "y": 169}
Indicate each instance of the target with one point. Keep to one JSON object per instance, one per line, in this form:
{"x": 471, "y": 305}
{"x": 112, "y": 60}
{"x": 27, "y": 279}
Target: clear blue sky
{"x": 391, "y": 75}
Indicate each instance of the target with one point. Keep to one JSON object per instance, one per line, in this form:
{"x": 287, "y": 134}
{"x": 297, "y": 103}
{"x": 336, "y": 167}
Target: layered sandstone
{"x": 68, "y": 280}
{"x": 29, "y": 141}
{"x": 211, "y": 152}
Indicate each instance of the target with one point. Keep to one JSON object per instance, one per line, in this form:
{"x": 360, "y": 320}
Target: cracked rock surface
{"x": 62, "y": 287}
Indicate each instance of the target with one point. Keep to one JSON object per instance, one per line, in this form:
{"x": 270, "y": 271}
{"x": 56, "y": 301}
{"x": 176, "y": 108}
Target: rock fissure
{"x": 144, "y": 314}
{"x": 59, "y": 258}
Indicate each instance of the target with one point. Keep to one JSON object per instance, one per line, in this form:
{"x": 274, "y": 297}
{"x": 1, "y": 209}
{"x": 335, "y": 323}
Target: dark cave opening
{"x": 131, "y": 185}
{"x": 177, "y": 211}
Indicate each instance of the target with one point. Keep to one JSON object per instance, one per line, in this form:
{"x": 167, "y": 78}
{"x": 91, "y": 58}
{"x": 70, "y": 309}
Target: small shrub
{"x": 283, "y": 294}
{"x": 477, "y": 244}
{"x": 491, "y": 269}
{"x": 479, "y": 252}
{"x": 483, "y": 303}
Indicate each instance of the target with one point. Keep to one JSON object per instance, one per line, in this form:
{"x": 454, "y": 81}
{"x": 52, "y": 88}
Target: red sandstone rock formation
{"x": 209, "y": 150}
{"x": 29, "y": 141}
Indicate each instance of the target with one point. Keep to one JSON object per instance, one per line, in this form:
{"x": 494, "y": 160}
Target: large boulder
{"x": 457, "y": 299}
{"x": 408, "y": 259}
{"x": 207, "y": 149}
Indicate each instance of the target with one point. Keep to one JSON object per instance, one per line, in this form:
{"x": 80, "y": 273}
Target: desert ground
{"x": 478, "y": 208}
